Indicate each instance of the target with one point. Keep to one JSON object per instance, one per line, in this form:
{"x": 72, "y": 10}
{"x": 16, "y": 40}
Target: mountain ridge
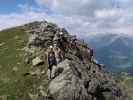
{"x": 31, "y": 81}
{"x": 117, "y": 46}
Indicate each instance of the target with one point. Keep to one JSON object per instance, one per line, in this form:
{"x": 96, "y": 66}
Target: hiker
{"x": 86, "y": 54}
{"x": 56, "y": 38}
{"x": 51, "y": 59}
{"x": 58, "y": 53}
{"x": 73, "y": 42}
{"x": 79, "y": 53}
{"x": 62, "y": 42}
{"x": 91, "y": 54}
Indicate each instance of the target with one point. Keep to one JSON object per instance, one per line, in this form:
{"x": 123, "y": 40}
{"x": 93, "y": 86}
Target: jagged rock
{"x": 72, "y": 79}
{"x": 36, "y": 61}
{"x": 43, "y": 93}
{"x": 43, "y": 35}
{"x": 33, "y": 97}
{"x": 36, "y": 72}
{"x": 76, "y": 82}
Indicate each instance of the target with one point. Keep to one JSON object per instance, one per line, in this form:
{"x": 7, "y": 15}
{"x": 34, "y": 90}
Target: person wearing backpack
{"x": 51, "y": 60}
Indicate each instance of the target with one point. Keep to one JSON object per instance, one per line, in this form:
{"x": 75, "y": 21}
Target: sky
{"x": 80, "y": 17}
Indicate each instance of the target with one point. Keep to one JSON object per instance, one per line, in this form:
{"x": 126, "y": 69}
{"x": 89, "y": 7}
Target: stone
{"x": 15, "y": 69}
{"x": 36, "y": 72}
{"x": 36, "y": 61}
{"x": 33, "y": 97}
{"x": 76, "y": 82}
{"x": 43, "y": 93}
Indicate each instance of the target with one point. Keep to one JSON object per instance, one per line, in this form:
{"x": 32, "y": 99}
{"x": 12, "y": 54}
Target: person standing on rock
{"x": 59, "y": 44}
{"x": 86, "y": 55}
{"x": 91, "y": 54}
{"x": 63, "y": 43}
{"x": 58, "y": 53}
{"x": 51, "y": 60}
{"x": 73, "y": 42}
{"x": 56, "y": 38}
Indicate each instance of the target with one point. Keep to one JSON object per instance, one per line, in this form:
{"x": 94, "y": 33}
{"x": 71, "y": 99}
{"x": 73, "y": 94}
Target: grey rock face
{"x": 77, "y": 81}
{"x": 73, "y": 79}
{"x": 43, "y": 35}
{"x": 36, "y": 61}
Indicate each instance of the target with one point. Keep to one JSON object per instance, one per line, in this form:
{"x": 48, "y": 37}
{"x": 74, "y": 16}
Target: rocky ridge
{"x": 73, "y": 80}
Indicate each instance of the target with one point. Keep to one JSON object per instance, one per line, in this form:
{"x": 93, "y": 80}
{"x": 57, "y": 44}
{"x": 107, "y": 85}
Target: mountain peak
{"x": 118, "y": 49}
{"x": 73, "y": 79}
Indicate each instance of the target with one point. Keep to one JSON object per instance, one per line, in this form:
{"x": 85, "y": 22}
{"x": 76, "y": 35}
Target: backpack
{"x": 51, "y": 58}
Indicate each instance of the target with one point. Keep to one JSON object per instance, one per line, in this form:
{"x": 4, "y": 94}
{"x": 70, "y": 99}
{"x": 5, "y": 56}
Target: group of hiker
{"x": 62, "y": 45}
{"x": 56, "y": 51}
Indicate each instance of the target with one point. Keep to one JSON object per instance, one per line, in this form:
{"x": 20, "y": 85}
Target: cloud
{"x": 107, "y": 13}
{"x": 15, "y": 19}
{"x": 70, "y": 7}
{"x": 29, "y": 14}
{"x": 82, "y": 18}
{"x": 94, "y": 16}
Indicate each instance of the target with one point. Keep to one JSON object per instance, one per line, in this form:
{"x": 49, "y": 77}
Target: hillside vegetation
{"x": 13, "y": 84}
{"x": 127, "y": 80}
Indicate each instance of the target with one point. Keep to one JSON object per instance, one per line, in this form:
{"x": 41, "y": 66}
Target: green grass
{"x": 127, "y": 80}
{"x": 129, "y": 83}
{"x": 13, "y": 83}
{"x": 11, "y": 55}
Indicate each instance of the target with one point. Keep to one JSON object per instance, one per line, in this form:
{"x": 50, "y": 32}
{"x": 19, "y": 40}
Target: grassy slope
{"x": 127, "y": 80}
{"x": 11, "y": 56}
{"x": 13, "y": 84}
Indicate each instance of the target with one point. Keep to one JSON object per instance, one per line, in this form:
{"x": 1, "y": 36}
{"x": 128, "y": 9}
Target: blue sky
{"x": 9, "y": 6}
{"x": 82, "y": 17}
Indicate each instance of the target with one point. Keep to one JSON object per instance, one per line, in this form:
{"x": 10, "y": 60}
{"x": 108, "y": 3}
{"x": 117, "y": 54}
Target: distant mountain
{"x": 114, "y": 50}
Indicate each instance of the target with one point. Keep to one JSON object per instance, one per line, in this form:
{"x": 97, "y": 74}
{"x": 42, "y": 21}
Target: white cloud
{"x": 107, "y": 13}
{"x": 70, "y": 7}
{"x": 102, "y": 15}
{"x": 15, "y": 19}
{"x": 80, "y": 17}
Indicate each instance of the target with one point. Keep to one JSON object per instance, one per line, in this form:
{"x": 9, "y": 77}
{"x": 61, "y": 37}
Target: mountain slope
{"x": 11, "y": 65}
{"x": 119, "y": 50}
{"x": 21, "y": 80}
{"x": 14, "y": 84}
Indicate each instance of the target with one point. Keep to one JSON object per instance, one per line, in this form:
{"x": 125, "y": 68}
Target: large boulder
{"x": 72, "y": 79}
{"x": 37, "y": 61}
{"x": 77, "y": 81}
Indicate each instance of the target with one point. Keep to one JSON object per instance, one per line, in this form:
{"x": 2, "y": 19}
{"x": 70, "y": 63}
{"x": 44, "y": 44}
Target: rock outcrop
{"x": 73, "y": 80}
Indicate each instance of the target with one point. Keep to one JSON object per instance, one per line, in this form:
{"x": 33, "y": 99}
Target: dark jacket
{"x": 51, "y": 59}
